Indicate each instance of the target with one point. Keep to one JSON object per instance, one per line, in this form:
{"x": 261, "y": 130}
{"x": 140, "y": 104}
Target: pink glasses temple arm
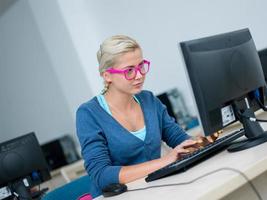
{"x": 111, "y": 70}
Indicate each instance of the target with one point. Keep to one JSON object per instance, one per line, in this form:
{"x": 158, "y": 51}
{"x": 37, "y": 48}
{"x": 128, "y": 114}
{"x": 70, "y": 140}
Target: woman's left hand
{"x": 189, "y": 144}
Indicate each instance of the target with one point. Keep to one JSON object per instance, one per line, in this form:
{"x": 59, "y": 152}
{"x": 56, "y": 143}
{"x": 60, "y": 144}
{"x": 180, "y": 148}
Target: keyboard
{"x": 195, "y": 157}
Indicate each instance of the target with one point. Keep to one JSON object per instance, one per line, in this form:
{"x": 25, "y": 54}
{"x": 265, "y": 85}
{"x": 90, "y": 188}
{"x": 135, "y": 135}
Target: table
{"x": 224, "y": 184}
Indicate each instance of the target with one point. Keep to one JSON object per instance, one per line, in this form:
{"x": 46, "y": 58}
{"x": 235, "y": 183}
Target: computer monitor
{"x": 225, "y": 71}
{"x": 22, "y": 165}
{"x": 263, "y": 58}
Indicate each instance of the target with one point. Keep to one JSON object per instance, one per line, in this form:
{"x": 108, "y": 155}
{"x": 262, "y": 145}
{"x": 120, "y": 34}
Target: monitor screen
{"x": 22, "y": 164}
{"x": 224, "y": 71}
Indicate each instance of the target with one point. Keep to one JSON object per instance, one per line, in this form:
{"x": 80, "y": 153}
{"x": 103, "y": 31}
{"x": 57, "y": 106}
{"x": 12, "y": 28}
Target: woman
{"x": 120, "y": 131}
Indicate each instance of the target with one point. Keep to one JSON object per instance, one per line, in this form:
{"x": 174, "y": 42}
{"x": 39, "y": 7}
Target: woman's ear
{"x": 106, "y": 76}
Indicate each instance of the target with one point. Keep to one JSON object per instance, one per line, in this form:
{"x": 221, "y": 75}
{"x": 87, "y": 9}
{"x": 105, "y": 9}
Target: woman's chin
{"x": 136, "y": 90}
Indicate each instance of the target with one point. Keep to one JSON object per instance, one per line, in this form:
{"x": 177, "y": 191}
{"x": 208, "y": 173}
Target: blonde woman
{"x": 120, "y": 130}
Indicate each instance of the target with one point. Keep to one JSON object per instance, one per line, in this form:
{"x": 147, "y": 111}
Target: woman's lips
{"x": 138, "y": 84}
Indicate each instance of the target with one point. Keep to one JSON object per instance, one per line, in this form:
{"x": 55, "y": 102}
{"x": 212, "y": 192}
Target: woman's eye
{"x": 130, "y": 70}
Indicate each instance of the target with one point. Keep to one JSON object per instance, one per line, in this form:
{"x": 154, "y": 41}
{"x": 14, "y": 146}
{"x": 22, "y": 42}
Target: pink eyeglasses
{"x": 131, "y": 72}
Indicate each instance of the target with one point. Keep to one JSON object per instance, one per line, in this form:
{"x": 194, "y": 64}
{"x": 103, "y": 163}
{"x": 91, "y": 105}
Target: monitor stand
{"x": 254, "y": 133}
{"x": 21, "y": 190}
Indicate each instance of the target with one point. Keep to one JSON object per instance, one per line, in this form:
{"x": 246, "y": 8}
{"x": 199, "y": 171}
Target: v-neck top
{"x": 141, "y": 133}
{"x": 107, "y": 146}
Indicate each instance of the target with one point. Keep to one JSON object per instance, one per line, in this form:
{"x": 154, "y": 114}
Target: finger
{"x": 215, "y": 135}
{"x": 192, "y": 149}
{"x": 203, "y": 141}
{"x": 187, "y": 143}
{"x": 210, "y": 139}
{"x": 219, "y": 132}
{"x": 183, "y": 152}
{"x": 193, "y": 146}
{"x": 180, "y": 150}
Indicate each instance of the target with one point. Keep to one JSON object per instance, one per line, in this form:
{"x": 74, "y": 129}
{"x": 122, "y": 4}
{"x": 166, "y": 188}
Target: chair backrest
{"x": 71, "y": 191}
{"x": 85, "y": 197}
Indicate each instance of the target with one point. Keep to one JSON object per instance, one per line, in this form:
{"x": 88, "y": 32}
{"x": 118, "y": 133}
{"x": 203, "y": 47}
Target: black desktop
{"x": 60, "y": 152}
{"x": 163, "y": 97}
{"x": 176, "y": 107}
{"x": 227, "y": 82}
{"x": 22, "y": 165}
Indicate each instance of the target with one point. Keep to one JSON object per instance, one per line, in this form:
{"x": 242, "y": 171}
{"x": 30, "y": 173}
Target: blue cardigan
{"x": 107, "y": 146}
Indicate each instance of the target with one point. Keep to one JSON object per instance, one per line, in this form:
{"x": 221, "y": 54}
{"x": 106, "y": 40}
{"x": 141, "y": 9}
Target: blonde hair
{"x": 111, "y": 49}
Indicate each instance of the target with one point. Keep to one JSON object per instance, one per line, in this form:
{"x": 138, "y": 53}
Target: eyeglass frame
{"x": 136, "y": 68}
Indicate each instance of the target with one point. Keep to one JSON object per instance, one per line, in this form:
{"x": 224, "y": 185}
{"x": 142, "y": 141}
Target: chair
{"x": 71, "y": 191}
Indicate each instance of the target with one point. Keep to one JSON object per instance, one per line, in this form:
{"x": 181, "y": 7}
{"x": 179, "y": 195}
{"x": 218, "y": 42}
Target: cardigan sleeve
{"x": 95, "y": 150}
{"x": 172, "y": 133}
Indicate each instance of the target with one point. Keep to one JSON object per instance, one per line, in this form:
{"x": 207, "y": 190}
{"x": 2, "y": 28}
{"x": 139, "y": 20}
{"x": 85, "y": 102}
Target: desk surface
{"x": 252, "y": 162}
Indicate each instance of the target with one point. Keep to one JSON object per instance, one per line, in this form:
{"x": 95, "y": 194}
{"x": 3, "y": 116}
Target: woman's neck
{"x": 120, "y": 101}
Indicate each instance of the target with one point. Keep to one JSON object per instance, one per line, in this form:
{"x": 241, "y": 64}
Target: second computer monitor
{"x": 22, "y": 165}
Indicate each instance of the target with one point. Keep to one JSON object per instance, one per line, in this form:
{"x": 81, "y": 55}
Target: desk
{"x": 224, "y": 185}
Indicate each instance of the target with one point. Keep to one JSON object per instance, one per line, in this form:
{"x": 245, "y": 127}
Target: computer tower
{"x": 60, "y": 152}
{"x": 176, "y": 107}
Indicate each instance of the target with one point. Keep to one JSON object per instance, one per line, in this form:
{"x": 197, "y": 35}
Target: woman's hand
{"x": 180, "y": 150}
{"x": 189, "y": 146}
{"x": 203, "y": 141}
{"x": 187, "y": 143}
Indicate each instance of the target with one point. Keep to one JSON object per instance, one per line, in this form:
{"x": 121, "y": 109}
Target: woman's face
{"x": 118, "y": 81}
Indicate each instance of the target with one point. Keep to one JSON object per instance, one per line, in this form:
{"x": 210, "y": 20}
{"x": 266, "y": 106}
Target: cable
{"x": 253, "y": 119}
{"x": 202, "y": 176}
{"x": 261, "y": 104}
{"x": 256, "y": 120}
{"x": 257, "y": 96}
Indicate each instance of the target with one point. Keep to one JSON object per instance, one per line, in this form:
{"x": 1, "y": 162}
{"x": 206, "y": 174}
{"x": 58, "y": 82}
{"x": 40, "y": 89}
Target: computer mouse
{"x": 114, "y": 189}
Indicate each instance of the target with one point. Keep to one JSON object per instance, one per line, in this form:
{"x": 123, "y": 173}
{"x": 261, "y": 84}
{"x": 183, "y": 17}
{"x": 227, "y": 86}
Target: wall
{"x": 40, "y": 83}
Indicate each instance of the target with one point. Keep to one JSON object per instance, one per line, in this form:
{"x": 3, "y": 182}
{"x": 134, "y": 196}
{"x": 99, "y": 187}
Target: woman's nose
{"x": 138, "y": 74}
